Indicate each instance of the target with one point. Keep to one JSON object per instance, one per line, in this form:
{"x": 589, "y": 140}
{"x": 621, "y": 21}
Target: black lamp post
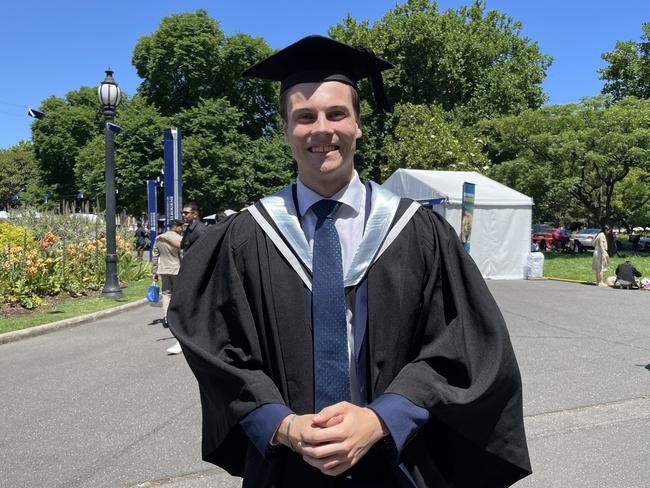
{"x": 109, "y": 96}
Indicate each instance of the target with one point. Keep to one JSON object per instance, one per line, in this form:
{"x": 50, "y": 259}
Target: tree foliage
{"x": 178, "y": 62}
{"x": 453, "y": 68}
{"x": 468, "y": 61}
{"x": 577, "y": 160}
{"x": 19, "y": 175}
{"x": 421, "y": 138}
{"x": 628, "y": 70}
{"x": 224, "y": 168}
{"x": 256, "y": 99}
{"x": 138, "y": 156}
{"x": 70, "y": 123}
{"x": 463, "y": 65}
{"x": 189, "y": 59}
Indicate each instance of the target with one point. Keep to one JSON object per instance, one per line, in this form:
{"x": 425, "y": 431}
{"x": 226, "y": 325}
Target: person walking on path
{"x": 600, "y": 259}
{"x": 140, "y": 239}
{"x": 194, "y": 230}
{"x": 166, "y": 262}
{"x": 340, "y": 335}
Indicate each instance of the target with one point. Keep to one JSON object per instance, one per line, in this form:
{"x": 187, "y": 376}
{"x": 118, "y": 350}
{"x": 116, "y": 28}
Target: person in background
{"x": 194, "y": 230}
{"x": 626, "y": 275}
{"x": 600, "y": 259}
{"x": 340, "y": 335}
{"x": 140, "y": 239}
{"x": 634, "y": 240}
{"x": 166, "y": 262}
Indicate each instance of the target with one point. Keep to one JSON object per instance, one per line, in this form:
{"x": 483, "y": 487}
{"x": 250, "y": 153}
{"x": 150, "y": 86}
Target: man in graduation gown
{"x": 340, "y": 335}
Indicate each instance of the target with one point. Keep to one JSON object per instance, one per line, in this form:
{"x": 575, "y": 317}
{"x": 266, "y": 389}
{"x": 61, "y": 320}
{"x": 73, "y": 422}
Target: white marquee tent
{"x": 500, "y": 239}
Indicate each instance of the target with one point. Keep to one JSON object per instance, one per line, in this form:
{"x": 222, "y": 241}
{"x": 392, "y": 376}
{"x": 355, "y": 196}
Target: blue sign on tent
{"x": 431, "y": 202}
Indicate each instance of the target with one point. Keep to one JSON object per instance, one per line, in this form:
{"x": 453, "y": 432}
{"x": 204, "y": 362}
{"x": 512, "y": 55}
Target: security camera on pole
{"x": 109, "y": 96}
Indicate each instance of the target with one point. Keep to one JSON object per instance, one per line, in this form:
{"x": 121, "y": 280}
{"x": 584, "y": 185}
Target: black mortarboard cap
{"x": 317, "y": 58}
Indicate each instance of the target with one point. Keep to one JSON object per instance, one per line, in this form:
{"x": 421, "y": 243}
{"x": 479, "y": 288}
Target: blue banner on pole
{"x": 469, "y": 190}
{"x": 173, "y": 178}
{"x": 153, "y": 214}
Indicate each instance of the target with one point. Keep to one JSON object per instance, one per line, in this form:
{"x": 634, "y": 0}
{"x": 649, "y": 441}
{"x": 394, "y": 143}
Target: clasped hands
{"x": 334, "y": 439}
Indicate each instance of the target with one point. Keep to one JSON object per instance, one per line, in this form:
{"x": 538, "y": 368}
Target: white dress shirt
{"x": 349, "y": 223}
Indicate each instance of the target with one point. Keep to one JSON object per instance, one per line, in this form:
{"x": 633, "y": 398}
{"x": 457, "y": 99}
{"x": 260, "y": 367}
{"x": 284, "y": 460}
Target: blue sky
{"x": 50, "y": 48}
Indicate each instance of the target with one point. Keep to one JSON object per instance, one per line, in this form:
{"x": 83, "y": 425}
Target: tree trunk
{"x": 611, "y": 243}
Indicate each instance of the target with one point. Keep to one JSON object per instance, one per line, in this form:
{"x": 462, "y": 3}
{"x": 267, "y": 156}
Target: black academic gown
{"x": 434, "y": 335}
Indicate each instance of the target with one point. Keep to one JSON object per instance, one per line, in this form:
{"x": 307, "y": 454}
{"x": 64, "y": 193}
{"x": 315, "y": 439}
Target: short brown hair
{"x": 192, "y": 206}
{"x": 356, "y": 103}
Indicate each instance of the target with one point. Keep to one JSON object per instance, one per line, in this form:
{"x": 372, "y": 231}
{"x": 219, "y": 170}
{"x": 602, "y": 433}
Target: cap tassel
{"x": 376, "y": 79}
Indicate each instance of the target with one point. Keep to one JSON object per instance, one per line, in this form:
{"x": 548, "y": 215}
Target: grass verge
{"x": 577, "y": 267}
{"x": 75, "y": 307}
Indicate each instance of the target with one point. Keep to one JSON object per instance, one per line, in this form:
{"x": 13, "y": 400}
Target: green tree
{"x": 631, "y": 203}
{"x": 177, "y": 62}
{"x": 19, "y": 174}
{"x": 69, "y": 124}
{"x": 189, "y": 59}
{"x": 421, "y": 138}
{"x": 268, "y": 167}
{"x": 256, "y": 99}
{"x": 576, "y": 159}
{"x": 223, "y": 168}
{"x": 89, "y": 170}
{"x": 628, "y": 68}
{"x": 138, "y": 156}
{"x": 471, "y": 63}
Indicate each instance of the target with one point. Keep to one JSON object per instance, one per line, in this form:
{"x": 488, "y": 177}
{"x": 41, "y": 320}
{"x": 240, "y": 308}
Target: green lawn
{"x": 578, "y": 266}
{"x": 75, "y": 307}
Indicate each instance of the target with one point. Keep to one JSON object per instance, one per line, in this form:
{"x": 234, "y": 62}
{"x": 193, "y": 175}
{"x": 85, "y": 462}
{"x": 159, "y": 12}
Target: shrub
{"x": 15, "y": 235}
{"x": 49, "y": 254}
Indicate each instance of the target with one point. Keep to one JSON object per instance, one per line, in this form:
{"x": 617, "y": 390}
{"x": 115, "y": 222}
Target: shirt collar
{"x": 352, "y": 195}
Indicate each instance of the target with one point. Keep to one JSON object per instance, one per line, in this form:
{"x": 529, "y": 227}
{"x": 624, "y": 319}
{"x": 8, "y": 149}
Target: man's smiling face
{"x": 322, "y": 129}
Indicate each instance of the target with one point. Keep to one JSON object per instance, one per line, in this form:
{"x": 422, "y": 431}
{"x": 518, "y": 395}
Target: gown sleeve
{"x": 464, "y": 370}
{"x": 210, "y": 316}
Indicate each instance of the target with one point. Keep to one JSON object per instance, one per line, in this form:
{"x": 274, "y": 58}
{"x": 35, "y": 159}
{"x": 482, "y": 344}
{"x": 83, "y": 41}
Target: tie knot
{"x": 325, "y": 208}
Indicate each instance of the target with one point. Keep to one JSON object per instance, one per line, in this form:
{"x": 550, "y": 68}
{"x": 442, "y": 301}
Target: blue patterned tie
{"x": 331, "y": 361}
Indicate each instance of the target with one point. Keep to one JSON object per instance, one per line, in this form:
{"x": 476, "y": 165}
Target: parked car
{"x": 548, "y": 237}
{"x": 644, "y": 243}
{"x": 584, "y": 239}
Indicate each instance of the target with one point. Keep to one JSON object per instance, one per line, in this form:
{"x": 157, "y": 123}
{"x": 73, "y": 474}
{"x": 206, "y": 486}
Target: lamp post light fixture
{"x": 109, "y": 97}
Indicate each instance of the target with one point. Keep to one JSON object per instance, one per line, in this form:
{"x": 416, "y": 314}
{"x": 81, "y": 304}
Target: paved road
{"x": 101, "y": 405}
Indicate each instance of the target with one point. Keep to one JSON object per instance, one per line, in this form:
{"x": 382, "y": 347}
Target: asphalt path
{"x": 102, "y": 405}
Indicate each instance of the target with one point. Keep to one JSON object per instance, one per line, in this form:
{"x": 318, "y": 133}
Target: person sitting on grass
{"x": 626, "y": 275}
